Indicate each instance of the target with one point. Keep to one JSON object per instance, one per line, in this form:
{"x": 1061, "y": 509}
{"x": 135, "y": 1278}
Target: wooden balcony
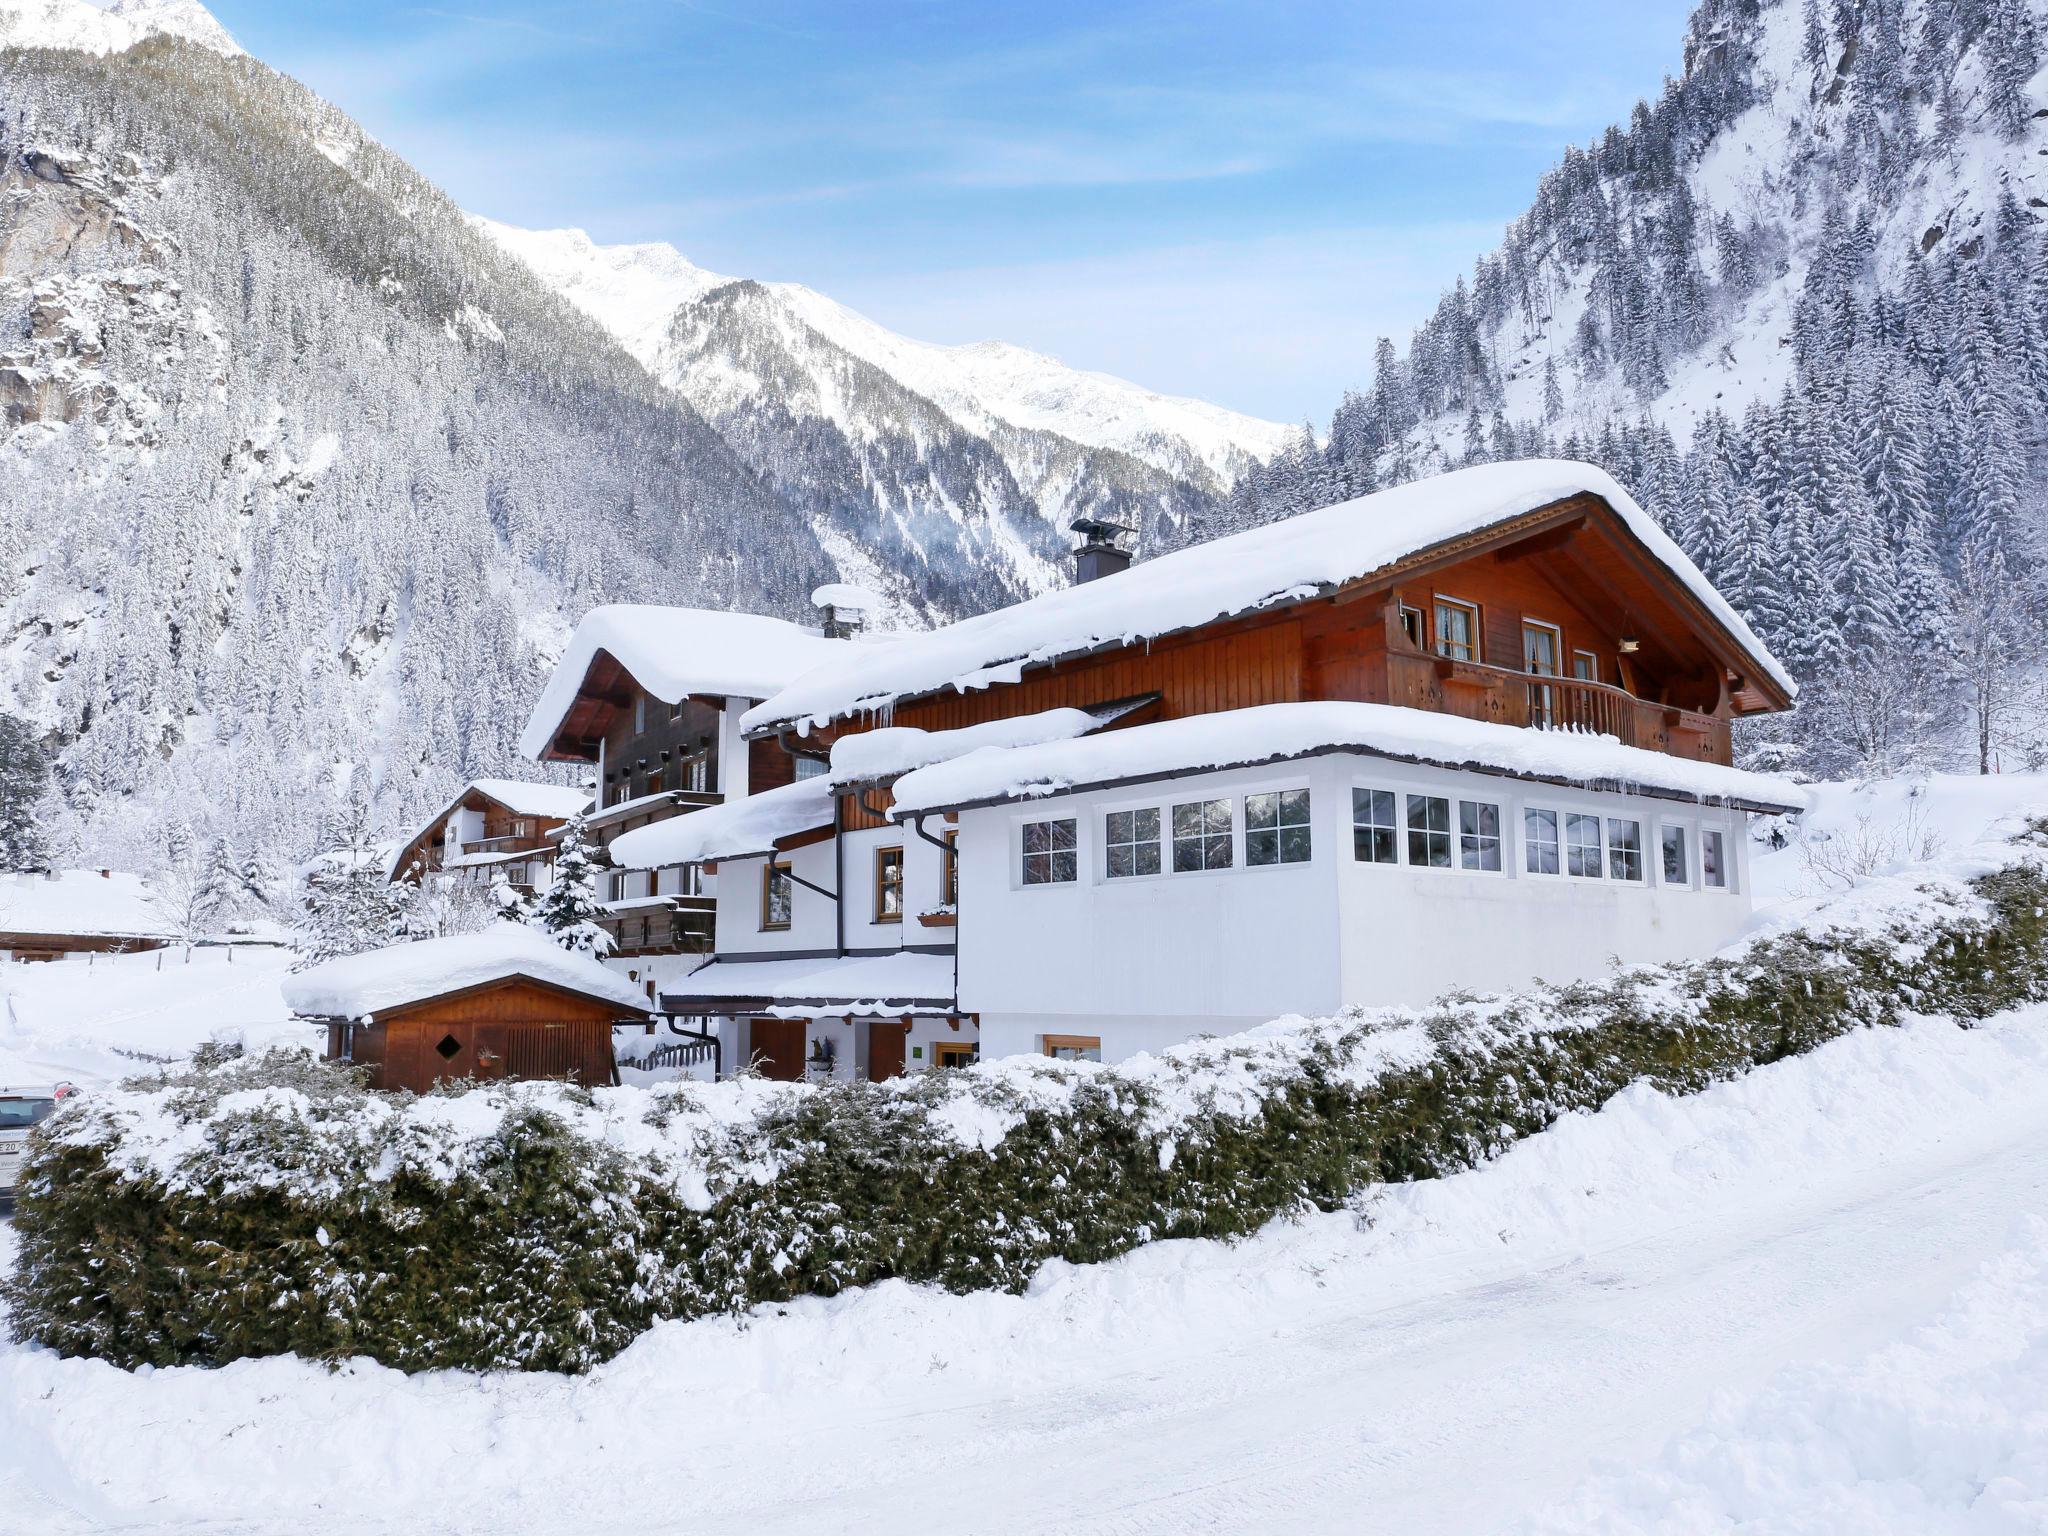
{"x": 1504, "y": 697}
{"x": 508, "y": 844}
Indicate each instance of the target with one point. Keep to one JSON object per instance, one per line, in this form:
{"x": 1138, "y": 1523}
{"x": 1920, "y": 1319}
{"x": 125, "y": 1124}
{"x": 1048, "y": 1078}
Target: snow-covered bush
{"x": 273, "y": 1204}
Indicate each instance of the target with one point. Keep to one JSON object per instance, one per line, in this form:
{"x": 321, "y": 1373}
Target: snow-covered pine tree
{"x": 568, "y": 910}
{"x": 348, "y": 905}
{"x": 24, "y": 797}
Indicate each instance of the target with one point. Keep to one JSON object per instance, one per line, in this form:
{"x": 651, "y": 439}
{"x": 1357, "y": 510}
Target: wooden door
{"x": 887, "y": 1039}
{"x": 778, "y": 1049}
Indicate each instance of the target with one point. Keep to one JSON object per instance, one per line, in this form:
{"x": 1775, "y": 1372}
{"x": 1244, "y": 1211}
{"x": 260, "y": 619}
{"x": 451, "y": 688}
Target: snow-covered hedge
{"x": 266, "y": 1205}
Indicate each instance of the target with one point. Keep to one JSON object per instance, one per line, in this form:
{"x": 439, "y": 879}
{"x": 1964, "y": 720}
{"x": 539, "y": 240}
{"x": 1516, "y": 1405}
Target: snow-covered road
{"x": 1456, "y": 1367}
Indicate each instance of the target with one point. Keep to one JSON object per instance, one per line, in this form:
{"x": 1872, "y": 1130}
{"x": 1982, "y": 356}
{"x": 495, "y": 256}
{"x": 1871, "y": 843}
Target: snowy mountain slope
{"x": 123, "y": 25}
{"x": 635, "y": 291}
{"x": 296, "y": 470}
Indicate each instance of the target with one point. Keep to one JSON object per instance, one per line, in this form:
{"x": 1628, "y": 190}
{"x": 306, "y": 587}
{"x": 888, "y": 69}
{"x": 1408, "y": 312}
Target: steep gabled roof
{"x": 673, "y": 653}
{"x": 1274, "y": 566}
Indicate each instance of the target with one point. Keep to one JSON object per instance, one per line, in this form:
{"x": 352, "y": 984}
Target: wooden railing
{"x": 1480, "y": 692}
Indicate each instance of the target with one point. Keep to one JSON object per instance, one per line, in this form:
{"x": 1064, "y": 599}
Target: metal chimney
{"x": 1098, "y": 555}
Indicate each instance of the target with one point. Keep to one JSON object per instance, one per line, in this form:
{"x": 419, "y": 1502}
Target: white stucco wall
{"x": 1142, "y": 962}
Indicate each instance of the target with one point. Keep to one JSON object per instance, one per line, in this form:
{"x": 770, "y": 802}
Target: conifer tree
{"x": 24, "y": 797}
{"x": 568, "y": 910}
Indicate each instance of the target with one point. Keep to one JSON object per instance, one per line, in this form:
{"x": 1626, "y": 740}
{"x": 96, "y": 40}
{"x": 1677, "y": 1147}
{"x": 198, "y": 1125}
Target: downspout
{"x": 946, "y": 851}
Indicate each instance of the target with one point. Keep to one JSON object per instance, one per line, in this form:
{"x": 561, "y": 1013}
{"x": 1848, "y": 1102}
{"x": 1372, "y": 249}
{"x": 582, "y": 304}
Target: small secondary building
{"x": 494, "y": 830}
{"x": 504, "y": 1003}
{"x": 47, "y": 915}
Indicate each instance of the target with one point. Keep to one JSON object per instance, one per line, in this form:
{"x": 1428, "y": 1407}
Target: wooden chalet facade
{"x": 494, "y": 830}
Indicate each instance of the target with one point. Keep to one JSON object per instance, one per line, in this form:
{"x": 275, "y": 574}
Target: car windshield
{"x": 20, "y": 1114}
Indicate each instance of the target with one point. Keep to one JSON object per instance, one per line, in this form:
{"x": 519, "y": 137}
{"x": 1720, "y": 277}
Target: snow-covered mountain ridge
{"x": 637, "y": 291}
{"x": 125, "y": 24}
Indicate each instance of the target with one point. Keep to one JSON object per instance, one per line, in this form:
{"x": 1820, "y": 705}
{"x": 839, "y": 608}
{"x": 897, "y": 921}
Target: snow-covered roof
{"x": 844, "y": 594}
{"x": 1279, "y": 563}
{"x": 1277, "y": 732}
{"x": 675, "y": 652}
{"x": 382, "y": 979}
{"x": 738, "y": 829}
{"x": 81, "y": 903}
{"x": 907, "y": 981}
{"x": 752, "y": 827}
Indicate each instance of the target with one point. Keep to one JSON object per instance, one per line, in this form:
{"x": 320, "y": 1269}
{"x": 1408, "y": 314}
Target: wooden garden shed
{"x": 504, "y": 1003}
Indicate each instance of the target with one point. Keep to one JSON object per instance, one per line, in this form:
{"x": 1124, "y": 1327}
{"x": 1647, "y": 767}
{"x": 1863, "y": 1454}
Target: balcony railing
{"x": 1480, "y": 692}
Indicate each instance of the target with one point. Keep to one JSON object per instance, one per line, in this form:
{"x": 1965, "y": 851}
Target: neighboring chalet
{"x": 507, "y": 1002}
{"x": 1461, "y": 734}
{"x": 495, "y": 830}
{"x": 650, "y": 699}
{"x": 49, "y": 915}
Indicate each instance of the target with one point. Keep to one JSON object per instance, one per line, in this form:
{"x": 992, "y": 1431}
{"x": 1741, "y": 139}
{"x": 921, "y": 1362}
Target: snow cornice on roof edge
{"x": 1274, "y": 733}
{"x": 1276, "y": 565}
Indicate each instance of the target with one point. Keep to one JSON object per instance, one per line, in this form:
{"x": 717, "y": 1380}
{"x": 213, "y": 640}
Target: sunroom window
{"x": 1713, "y": 860}
{"x": 1625, "y": 849}
{"x": 1051, "y": 855}
{"x": 1677, "y": 867}
{"x": 1276, "y": 827}
{"x": 1131, "y": 842}
{"x": 1375, "y": 835}
{"x": 1539, "y": 838}
{"x": 1201, "y": 836}
{"x": 1478, "y": 835}
{"x": 1582, "y": 845}
{"x": 1429, "y": 831}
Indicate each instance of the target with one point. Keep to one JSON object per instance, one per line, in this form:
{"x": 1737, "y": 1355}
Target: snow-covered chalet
{"x": 1456, "y": 735}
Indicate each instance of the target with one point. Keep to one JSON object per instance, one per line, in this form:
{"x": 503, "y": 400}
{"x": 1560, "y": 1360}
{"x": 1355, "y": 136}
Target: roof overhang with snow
{"x": 403, "y": 976}
{"x": 1354, "y": 547}
{"x": 900, "y": 983}
{"x": 671, "y": 653}
{"x": 1274, "y": 733}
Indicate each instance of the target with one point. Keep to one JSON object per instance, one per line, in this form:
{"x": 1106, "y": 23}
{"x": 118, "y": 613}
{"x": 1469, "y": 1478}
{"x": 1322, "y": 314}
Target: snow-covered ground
{"x": 1814, "y": 1300}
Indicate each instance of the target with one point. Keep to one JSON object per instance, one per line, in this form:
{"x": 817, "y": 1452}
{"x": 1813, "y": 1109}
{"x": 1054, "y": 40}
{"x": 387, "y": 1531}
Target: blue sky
{"x": 1216, "y": 199}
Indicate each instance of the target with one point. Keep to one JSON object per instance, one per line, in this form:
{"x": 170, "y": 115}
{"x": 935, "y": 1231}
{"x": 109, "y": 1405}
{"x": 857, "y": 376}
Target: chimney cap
{"x": 1096, "y": 531}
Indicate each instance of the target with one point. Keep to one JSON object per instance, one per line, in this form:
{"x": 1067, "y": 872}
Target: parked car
{"x": 21, "y": 1108}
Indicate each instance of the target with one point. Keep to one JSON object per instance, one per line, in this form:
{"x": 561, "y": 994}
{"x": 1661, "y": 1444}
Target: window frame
{"x": 1051, "y": 851}
{"x": 1162, "y": 855}
{"x": 1426, "y": 832}
{"x": 1499, "y": 838}
{"x": 1418, "y": 632}
{"x": 1726, "y": 882}
{"x": 1616, "y": 854}
{"x": 1280, "y": 827}
{"x": 1394, "y": 828}
{"x": 1227, "y": 838}
{"x": 888, "y": 856}
{"x": 769, "y": 871}
{"x": 1557, "y": 651}
{"x": 1684, "y": 829}
{"x": 1051, "y": 1045}
{"x": 949, "y": 868}
{"x": 1592, "y": 661}
{"x": 640, "y": 714}
{"x": 1555, "y": 844}
{"x": 1441, "y": 601}
{"x": 1566, "y": 843}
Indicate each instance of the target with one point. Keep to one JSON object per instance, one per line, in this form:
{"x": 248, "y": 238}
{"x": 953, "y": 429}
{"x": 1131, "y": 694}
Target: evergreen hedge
{"x": 272, "y": 1205}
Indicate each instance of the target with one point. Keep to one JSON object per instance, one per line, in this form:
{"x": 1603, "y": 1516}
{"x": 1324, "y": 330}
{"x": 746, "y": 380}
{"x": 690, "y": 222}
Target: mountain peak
{"x": 87, "y": 28}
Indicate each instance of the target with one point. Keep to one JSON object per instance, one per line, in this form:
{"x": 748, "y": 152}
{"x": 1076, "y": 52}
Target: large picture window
{"x": 1539, "y": 840}
{"x": 1276, "y": 828}
{"x": 1051, "y": 856}
{"x": 1582, "y": 845}
{"x": 1478, "y": 835}
{"x": 777, "y": 895}
{"x": 1375, "y": 834}
{"x": 1201, "y": 835}
{"x": 1429, "y": 831}
{"x": 1131, "y": 843}
{"x": 1624, "y": 849}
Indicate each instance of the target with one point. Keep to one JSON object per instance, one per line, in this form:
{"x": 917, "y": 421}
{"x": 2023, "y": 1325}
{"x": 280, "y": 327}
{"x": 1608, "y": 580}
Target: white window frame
{"x": 1396, "y": 828}
{"x": 1235, "y": 840}
{"x": 1160, "y": 842}
{"x": 1593, "y": 670}
{"x": 1441, "y": 600}
{"x": 1244, "y": 827}
{"x": 1556, "y": 813}
{"x": 1689, "y": 833}
{"x": 1449, "y": 797}
{"x": 1501, "y": 841}
{"x": 1642, "y": 875}
{"x": 1017, "y": 854}
{"x": 1727, "y": 841}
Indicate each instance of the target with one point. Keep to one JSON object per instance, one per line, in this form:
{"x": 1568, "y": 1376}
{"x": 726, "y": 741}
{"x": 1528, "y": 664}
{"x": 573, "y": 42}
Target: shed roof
{"x": 81, "y": 903}
{"x": 404, "y": 974}
{"x": 1266, "y": 567}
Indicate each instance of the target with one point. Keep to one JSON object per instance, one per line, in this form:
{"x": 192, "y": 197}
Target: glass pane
{"x": 1187, "y": 820}
{"x": 1294, "y": 807}
{"x": 1037, "y": 836}
{"x": 1294, "y": 845}
{"x": 1120, "y": 861}
{"x": 1261, "y": 847}
{"x": 1218, "y": 850}
{"x": 1064, "y": 867}
{"x": 1063, "y": 834}
{"x": 1146, "y": 858}
{"x": 1261, "y": 810}
{"x": 1713, "y": 870}
{"x": 1677, "y": 870}
{"x": 1187, "y": 854}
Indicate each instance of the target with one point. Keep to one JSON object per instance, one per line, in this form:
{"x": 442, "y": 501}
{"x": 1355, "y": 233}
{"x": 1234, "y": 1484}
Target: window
{"x": 1677, "y": 867}
{"x": 1539, "y": 839}
{"x": 1478, "y": 835}
{"x": 1132, "y": 839}
{"x": 1582, "y": 845}
{"x": 811, "y": 767}
{"x": 1411, "y": 625}
{"x": 1429, "y": 831}
{"x": 1049, "y": 852}
{"x": 1276, "y": 828}
{"x": 1073, "y": 1047}
{"x": 1457, "y": 630}
{"x": 1713, "y": 860}
{"x": 955, "y": 1053}
{"x": 640, "y": 713}
{"x": 675, "y": 711}
{"x": 1540, "y": 645}
{"x": 778, "y": 893}
{"x": 949, "y": 871}
{"x": 1201, "y": 836}
{"x": 1625, "y": 849}
{"x": 1585, "y": 666}
{"x": 889, "y": 885}
{"x": 1375, "y": 836}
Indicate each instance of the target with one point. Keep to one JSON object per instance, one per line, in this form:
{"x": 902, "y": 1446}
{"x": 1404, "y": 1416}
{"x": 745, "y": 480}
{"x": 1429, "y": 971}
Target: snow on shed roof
{"x": 675, "y": 652}
{"x": 1278, "y": 563}
{"x": 382, "y": 979}
{"x": 1277, "y": 732}
{"x": 751, "y": 827}
{"x": 83, "y": 903}
{"x": 907, "y": 981}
